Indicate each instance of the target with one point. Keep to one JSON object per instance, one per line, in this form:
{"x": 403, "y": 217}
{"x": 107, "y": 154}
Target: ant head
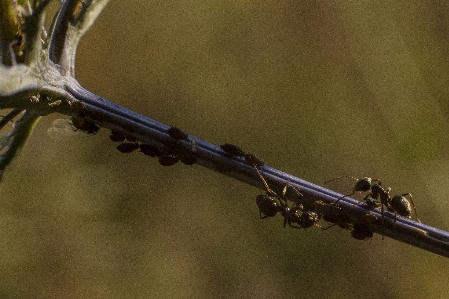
{"x": 362, "y": 185}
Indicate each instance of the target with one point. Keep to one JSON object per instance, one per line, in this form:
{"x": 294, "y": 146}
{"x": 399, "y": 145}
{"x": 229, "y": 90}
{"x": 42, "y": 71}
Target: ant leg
{"x": 329, "y": 226}
{"x": 265, "y": 183}
{"x": 284, "y": 192}
{"x": 343, "y": 197}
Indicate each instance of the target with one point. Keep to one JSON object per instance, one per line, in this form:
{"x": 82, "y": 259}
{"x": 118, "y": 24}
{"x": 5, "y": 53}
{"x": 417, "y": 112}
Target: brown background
{"x": 318, "y": 90}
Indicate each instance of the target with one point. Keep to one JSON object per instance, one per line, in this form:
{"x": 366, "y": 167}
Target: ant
{"x": 398, "y": 204}
{"x": 362, "y": 185}
{"x": 270, "y": 207}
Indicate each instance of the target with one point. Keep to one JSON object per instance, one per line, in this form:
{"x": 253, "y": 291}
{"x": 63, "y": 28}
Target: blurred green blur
{"x": 318, "y": 89}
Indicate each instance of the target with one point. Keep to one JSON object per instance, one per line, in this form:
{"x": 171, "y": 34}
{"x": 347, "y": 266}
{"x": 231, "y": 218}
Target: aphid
{"x": 83, "y": 124}
{"x": 150, "y": 150}
{"x": 116, "y": 136}
{"x": 254, "y": 160}
{"x": 361, "y": 231}
{"x": 232, "y": 150}
{"x": 127, "y": 147}
{"x": 362, "y": 185}
{"x": 131, "y": 138}
{"x": 62, "y": 128}
{"x": 334, "y": 214}
{"x": 187, "y": 159}
{"x": 177, "y": 134}
{"x": 400, "y": 205}
{"x": 168, "y": 160}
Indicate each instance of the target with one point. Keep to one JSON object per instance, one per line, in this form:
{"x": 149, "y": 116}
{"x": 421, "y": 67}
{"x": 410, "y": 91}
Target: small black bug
{"x": 334, "y": 214}
{"x": 131, "y": 138}
{"x": 150, "y": 150}
{"x": 116, "y": 136}
{"x": 400, "y": 205}
{"x": 361, "y": 231}
{"x": 127, "y": 148}
{"x": 168, "y": 160}
{"x": 187, "y": 159}
{"x": 362, "y": 185}
{"x": 254, "y": 160}
{"x": 84, "y": 125}
{"x": 177, "y": 134}
{"x": 232, "y": 150}
{"x": 267, "y": 206}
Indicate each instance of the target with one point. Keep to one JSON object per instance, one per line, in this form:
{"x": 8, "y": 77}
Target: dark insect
{"x": 334, "y": 214}
{"x": 380, "y": 196}
{"x": 84, "y": 125}
{"x": 127, "y": 148}
{"x": 232, "y": 150}
{"x": 131, "y": 138}
{"x": 400, "y": 205}
{"x": 150, "y": 150}
{"x": 177, "y": 134}
{"x": 116, "y": 136}
{"x": 187, "y": 159}
{"x": 361, "y": 231}
{"x": 168, "y": 160}
{"x": 267, "y": 206}
{"x": 362, "y": 185}
{"x": 292, "y": 215}
{"x": 254, "y": 160}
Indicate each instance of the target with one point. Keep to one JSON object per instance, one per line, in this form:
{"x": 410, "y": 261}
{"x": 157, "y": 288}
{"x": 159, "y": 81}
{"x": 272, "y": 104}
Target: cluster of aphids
{"x": 176, "y": 151}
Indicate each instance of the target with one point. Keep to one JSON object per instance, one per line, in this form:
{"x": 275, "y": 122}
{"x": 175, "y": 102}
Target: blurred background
{"x": 318, "y": 89}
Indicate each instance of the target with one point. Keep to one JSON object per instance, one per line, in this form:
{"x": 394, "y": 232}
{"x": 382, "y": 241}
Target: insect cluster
{"x": 177, "y": 150}
{"x": 298, "y": 217}
{"x": 181, "y": 148}
{"x": 378, "y": 196}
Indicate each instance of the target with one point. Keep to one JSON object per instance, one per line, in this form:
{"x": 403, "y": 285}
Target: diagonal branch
{"x": 112, "y": 116}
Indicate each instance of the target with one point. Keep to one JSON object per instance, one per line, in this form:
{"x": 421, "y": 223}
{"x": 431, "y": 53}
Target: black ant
{"x": 362, "y": 185}
{"x": 269, "y": 207}
{"x": 116, "y": 136}
{"x": 398, "y": 204}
